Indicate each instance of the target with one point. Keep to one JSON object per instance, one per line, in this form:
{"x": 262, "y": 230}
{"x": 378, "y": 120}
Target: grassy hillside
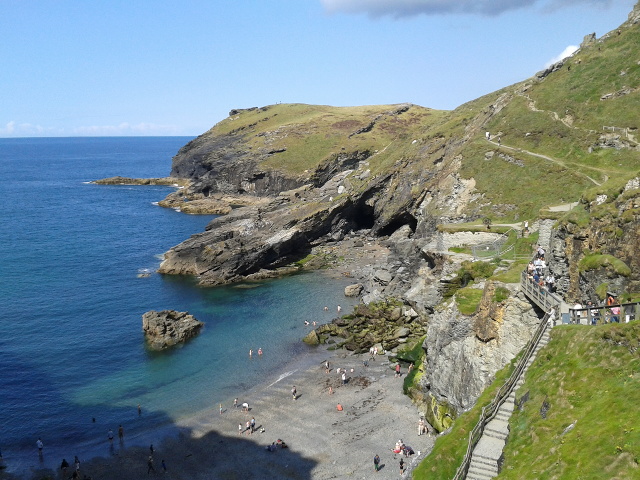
{"x": 561, "y": 117}
{"x": 306, "y": 135}
{"x": 585, "y": 377}
{"x": 588, "y": 378}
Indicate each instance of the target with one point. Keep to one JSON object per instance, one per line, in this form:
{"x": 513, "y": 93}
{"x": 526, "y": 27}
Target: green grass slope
{"x": 304, "y": 136}
{"x": 588, "y": 378}
{"x": 560, "y": 117}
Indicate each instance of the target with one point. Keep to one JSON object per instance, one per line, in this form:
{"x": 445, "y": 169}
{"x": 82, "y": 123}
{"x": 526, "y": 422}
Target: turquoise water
{"x": 71, "y": 344}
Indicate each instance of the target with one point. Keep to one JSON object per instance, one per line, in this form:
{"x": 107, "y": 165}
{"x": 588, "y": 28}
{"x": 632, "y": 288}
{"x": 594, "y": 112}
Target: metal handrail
{"x": 576, "y": 315}
{"x": 489, "y": 411}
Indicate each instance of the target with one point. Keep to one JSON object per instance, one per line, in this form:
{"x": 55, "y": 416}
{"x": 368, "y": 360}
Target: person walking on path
{"x": 150, "y": 467}
{"x": 376, "y": 463}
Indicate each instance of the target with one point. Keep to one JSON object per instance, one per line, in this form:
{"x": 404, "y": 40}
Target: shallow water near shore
{"x": 71, "y": 345}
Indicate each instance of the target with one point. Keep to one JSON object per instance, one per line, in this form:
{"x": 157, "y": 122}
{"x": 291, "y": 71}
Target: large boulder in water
{"x": 169, "y": 327}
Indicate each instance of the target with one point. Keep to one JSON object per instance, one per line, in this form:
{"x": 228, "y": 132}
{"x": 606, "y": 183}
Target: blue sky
{"x": 156, "y": 67}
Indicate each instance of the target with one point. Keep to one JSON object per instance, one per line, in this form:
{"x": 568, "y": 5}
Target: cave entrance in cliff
{"x": 397, "y": 222}
{"x": 364, "y": 218}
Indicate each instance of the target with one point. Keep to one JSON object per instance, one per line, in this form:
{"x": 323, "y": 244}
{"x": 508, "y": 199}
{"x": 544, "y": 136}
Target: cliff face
{"x": 594, "y": 249}
{"x": 464, "y": 352}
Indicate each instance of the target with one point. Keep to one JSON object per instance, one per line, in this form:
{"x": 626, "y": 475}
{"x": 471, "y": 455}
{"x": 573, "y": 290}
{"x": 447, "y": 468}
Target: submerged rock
{"x": 169, "y": 327}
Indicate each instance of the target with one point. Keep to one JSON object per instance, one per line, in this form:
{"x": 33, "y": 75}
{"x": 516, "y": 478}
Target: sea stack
{"x": 169, "y": 327}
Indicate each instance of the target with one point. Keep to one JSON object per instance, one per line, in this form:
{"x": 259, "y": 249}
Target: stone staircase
{"x": 484, "y": 461}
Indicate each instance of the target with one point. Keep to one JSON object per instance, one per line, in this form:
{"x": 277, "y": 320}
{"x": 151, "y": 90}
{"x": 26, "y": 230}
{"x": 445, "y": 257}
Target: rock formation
{"x": 464, "y": 352}
{"x": 167, "y": 328}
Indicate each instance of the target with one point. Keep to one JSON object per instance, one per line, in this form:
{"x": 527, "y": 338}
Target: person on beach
{"x": 339, "y": 407}
{"x": 151, "y": 449}
{"x": 239, "y": 429}
{"x": 40, "y": 446}
{"x": 422, "y": 428}
{"x": 376, "y": 463}
{"x": 327, "y": 367}
{"x": 294, "y": 393}
{"x": 247, "y": 426}
{"x": 110, "y": 436}
{"x": 245, "y": 407}
{"x": 250, "y": 353}
{"x": 164, "y": 466}
{"x": 121, "y": 433}
{"x": 63, "y": 466}
{"x": 235, "y": 403}
{"x": 260, "y": 351}
{"x": 139, "y": 410}
{"x": 344, "y": 378}
{"x": 150, "y": 467}
{"x": 401, "y": 466}
{"x": 339, "y": 308}
{"x": 397, "y": 370}
{"x": 76, "y": 462}
{"x": 330, "y": 390}
{"x": 253, "y": 424}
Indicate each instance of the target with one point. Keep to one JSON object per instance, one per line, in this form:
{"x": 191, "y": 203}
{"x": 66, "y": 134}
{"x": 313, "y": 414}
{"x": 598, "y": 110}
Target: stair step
{"x": 481, "y": 472}
{"x": 481, "y": 461}
{"x": 484, "y": 468}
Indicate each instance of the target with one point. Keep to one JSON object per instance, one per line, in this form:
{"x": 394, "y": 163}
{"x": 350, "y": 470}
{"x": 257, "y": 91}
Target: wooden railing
{"x": 489, "y": 411}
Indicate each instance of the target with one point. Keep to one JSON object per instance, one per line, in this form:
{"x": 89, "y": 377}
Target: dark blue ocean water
{"x": 71, "y": 343}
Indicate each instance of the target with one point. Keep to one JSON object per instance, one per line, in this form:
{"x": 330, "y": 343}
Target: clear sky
{"x": 159, "y": 67}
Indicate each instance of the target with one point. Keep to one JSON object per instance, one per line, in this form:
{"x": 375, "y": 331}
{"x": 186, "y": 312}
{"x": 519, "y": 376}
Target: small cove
{"x": 71, "y": 344}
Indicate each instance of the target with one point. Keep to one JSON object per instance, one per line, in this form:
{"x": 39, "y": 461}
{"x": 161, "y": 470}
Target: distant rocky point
{"x": 171, "y": 181}
{"x": 169, "y": 327}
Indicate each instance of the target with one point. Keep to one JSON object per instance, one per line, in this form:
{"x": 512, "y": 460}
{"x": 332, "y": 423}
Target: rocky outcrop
{"x": 171, "y": 181}
{"x": 353, "y": 290}
{"x": 386, "y": 325}
{"x": 592, "y": 258}
{"x": 167, "y": 328}
{"x": 463, "y": 353}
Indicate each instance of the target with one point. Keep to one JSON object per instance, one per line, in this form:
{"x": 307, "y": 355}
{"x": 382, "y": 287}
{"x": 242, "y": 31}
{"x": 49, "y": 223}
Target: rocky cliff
{"x": 393, "y": 175}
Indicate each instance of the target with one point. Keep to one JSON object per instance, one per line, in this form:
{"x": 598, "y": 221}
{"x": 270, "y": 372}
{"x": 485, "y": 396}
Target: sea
{"x": 78, "y": 268}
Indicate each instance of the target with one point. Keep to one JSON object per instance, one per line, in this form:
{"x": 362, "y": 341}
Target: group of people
{"x": 611, "y": 313}
{"x": 536, "y": 271}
